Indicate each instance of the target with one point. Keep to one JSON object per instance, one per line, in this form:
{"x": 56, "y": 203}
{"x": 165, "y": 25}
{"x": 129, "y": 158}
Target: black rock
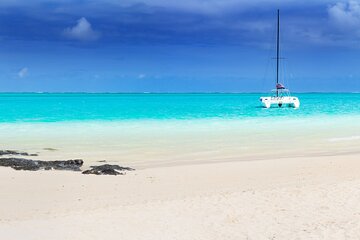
{"x": 12, "y": 152}
{"x": 107, "y": 169}
{"x": 34, "y": 165}
{"x": 50, "y": 149}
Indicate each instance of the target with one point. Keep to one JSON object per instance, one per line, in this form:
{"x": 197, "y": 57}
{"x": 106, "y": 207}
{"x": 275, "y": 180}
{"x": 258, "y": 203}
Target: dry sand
{"x": 289, "y": 198}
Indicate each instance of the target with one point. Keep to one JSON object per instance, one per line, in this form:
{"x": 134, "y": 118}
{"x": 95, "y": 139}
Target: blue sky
{"x": 177, "y": 46}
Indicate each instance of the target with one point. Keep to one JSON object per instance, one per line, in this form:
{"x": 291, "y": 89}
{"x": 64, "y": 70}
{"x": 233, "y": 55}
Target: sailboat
{"x": 281, "y": 96}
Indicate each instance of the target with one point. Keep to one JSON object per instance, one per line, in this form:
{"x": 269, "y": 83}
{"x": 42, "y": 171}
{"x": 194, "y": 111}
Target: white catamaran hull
{"x": 283, "y": 101}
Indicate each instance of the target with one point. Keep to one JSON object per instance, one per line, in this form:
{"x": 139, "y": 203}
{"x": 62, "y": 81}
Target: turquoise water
{"x": 44, "y": 107}
{"x": 147, "y": 130}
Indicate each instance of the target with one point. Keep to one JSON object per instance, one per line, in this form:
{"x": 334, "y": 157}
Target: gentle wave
{"x": 350, "y": 138}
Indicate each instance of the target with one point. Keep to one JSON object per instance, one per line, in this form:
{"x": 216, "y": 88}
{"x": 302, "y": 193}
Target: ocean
{"x": 147, "y": 130}
{"x": 59, "y": 107}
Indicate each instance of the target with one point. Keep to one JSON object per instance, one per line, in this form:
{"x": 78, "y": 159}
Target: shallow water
{"x": 147, "y": 130}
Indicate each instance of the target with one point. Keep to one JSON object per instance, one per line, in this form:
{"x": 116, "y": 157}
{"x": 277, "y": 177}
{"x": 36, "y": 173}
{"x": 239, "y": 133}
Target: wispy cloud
{"x": 82, "y": 31}
{"x": 222, "y": 22}
{"x": 23, "y": 72}
{"x": 345, "y": 15}
{"x": 343, "y": 23}
{"x": 214, "y": 6}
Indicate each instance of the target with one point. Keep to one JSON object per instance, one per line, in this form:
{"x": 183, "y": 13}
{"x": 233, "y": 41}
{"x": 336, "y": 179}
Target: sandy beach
{"x": 288, "y": 198}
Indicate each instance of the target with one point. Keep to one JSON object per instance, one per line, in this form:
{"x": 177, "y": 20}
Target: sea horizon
{"x": 200, "y": 92}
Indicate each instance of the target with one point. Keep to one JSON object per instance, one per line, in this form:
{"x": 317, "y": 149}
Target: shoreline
{"x": 157, "y": 143}
{"x": 231, "y": 199}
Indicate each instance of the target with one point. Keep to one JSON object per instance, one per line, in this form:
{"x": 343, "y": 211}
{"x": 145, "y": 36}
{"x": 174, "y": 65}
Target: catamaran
{"x": 281, "y": 96}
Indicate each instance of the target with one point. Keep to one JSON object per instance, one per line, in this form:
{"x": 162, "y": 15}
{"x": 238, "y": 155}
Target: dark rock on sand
{"x": 34, "y": 165}
{"x": 72, "y": 165}
{"x": 107, "y": 169}
{"x": 12, "y": 152}
{"x": 50, "y": 149}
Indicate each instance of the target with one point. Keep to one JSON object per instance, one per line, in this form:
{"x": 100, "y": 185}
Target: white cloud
{"x": 345, "y": 19}
{"x": 141, "y": 76}
{"x": 345, "y": 15}
{"x": 81, "y": 31}
{"x": 23, "y": 72}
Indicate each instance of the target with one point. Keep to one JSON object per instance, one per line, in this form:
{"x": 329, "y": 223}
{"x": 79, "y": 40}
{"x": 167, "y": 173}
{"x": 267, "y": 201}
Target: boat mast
{"x": 277, "y": 51}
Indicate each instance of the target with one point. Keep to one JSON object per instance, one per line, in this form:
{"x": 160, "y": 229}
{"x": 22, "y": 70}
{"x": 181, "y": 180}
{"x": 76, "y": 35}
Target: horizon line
{"x": 80, "y": 92}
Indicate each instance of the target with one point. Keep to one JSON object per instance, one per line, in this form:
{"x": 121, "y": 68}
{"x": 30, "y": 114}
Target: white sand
{"x": 289, "y": 198}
